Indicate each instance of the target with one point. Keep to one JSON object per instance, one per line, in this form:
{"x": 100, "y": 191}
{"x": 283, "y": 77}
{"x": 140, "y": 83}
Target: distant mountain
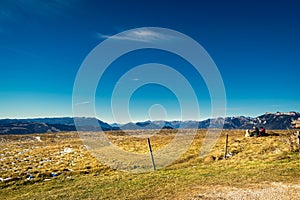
{"x": 31, "y": 127}
{"x": 43, "y": 125}
{"x": 268, "y": 120}
{"x": 277, "y": 120}
{"x": 63, "y": 120}
{"x": 140, "y": 125}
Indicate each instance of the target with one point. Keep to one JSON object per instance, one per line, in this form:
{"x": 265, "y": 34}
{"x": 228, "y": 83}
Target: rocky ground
{"x": 43, "y": 156}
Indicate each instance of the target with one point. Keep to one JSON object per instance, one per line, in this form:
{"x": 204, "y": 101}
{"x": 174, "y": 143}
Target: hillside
{"x": 46, "y": 125}
{"x": 59, "y": 166}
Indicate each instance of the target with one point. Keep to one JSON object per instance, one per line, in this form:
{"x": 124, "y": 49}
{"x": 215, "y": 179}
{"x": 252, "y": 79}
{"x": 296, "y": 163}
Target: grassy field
{"x": 59, "y": 166}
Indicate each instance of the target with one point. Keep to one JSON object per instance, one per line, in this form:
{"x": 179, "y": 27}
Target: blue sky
{"x": 255, "y": 45}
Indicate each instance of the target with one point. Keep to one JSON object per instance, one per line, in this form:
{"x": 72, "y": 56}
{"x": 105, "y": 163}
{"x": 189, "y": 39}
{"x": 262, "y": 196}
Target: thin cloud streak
{"x": 138, "y": 35}
{"x": 82, "y": 103}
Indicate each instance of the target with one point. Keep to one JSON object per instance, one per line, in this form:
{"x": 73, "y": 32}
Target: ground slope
{"x": 58, "y": 166}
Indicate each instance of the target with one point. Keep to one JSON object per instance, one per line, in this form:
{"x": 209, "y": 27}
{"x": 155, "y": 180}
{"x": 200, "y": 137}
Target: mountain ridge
{"x": 278, "y": 120}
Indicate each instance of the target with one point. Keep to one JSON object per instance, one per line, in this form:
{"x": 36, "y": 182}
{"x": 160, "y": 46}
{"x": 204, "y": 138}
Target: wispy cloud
{"x": 135, "y": 79}
{"x": 142, "y": 35}
{"x": 82, "y": 103}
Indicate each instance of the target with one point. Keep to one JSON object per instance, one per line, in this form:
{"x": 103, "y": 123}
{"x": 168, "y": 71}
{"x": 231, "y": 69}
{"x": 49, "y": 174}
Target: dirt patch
{"x": 272, "y": 191}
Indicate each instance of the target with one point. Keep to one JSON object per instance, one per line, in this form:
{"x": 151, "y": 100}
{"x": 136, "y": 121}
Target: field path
{"x": 272, "y": 191}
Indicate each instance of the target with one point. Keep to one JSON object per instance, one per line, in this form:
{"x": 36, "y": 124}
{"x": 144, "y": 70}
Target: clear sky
{"x": 255, "y": 45}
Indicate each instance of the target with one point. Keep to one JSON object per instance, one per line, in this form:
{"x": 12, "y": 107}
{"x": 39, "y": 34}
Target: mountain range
{"x": 278, "y": 120}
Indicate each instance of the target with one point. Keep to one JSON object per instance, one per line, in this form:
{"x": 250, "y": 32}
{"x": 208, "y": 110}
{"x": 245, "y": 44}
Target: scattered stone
{"x": 229, "y": 155}
{"x": 21, "y": 152}
{"x": 67, "y": 150}
{"x": 209, "y": 159}
{"x": 53, "y": 174}
{"x": 5, "y": 179}
{"x": 44, "y": 161}
{"x": 29, "y": 177}
{"x": 38, "y": 138}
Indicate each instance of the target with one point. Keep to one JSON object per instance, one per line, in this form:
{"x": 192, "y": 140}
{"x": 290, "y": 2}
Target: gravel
{"x": 272, "y": 191}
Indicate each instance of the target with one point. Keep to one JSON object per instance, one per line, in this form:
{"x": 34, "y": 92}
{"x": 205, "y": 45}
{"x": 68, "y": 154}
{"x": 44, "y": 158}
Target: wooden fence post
{"x": 226, "y": 146}
{"x": 151, "y": 154}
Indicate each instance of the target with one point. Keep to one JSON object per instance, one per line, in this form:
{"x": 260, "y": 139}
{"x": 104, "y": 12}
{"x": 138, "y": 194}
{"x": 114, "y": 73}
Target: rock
{"x": 44, "y": 161}
{"x": 29, "y": 177}
{"x": 229, "y": 155}
{"x": 38, "y": 138}
{"x": 53, "y": 174}
{"x": 67, "y": 150}
{"x": 5, "y": 179}
{"x": 209, "y": 159}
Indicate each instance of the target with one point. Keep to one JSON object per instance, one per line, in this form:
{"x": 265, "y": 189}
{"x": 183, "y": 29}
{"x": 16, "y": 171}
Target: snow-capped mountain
{"x": 278, "y": 120}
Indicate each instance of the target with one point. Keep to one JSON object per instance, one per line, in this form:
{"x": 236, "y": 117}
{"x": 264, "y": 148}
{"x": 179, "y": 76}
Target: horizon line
{"x": 134, "y": 121}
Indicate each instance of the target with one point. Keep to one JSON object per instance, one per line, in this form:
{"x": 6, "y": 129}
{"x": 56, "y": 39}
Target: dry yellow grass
{"x": 251, "y": 161}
